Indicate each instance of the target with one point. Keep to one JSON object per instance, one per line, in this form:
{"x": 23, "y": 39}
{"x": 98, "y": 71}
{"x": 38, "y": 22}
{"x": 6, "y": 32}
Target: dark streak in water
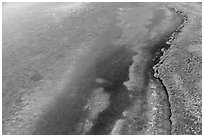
{"x": 114, "y": 68}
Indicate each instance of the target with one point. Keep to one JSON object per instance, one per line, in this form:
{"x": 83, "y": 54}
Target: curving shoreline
{"x": 145, "y": 91}
{"x": 107, "y": 69}
{"x": 180, "y": 72}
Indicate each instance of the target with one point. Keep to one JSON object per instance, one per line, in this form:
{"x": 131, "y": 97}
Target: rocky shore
{"x": 180, "y": 71}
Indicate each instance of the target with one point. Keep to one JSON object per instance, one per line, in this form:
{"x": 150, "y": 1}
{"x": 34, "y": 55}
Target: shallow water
{"x": 108, "y": 60}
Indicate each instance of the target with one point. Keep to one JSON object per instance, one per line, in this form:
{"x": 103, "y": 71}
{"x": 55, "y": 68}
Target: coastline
{"x": 180, "y": 72}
